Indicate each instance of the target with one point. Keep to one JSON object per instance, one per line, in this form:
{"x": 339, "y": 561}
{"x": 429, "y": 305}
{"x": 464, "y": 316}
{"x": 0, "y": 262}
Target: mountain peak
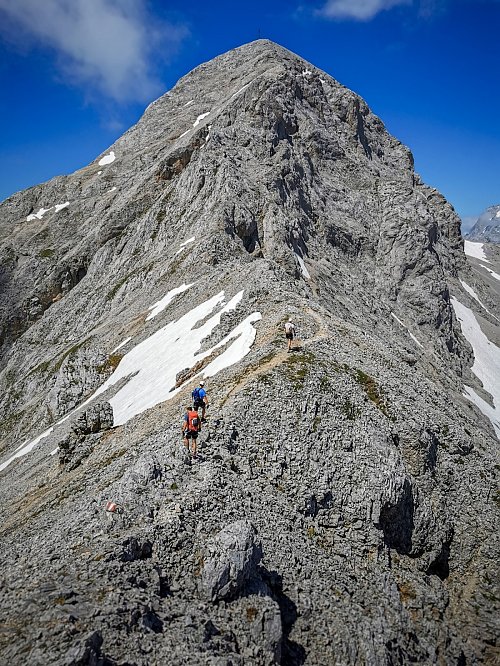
{"x": 342, "y": 481}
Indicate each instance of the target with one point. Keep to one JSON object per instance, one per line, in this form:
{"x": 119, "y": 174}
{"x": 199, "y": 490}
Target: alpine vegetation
{"x": 250, "y": 392}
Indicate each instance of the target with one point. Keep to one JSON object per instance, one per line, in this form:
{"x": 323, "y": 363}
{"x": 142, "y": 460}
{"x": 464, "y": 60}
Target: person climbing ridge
{"x": 290, "y": 333}
{"x": 200, "y": 399}
{"x": 191, "y": 426}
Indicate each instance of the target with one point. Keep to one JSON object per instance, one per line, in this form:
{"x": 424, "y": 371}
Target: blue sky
{"x": 75, "y": 74}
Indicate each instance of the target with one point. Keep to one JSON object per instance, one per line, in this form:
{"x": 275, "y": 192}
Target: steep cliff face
{"x": 342, "y": 509}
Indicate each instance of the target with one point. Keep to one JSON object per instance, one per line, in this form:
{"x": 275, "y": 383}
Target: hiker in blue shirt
{"x": 200, "y": 399}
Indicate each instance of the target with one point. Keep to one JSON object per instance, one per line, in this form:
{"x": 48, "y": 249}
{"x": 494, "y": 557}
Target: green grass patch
{"x": 372, "y": 391}
{"x": 69, "y": 352}
{"x": 113, "y": 291}
{"x": 111, "y": 363}
{"x": 297, "y": 366}
{"x": 46, "y": 253}
{"x": 41, "y": 367}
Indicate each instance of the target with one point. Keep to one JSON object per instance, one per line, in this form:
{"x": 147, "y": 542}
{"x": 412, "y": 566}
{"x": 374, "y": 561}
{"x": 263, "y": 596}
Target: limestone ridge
{"x": 344, "y": 508}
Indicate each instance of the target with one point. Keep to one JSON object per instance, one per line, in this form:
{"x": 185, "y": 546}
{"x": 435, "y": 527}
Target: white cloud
{"x": 111, "y": 45}
{"x": 359, "y": 10}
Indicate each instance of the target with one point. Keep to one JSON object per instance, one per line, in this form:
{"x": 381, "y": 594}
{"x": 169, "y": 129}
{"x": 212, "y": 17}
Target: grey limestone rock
{"x": 83, "y": 436}
{"x": 230, "y": 562}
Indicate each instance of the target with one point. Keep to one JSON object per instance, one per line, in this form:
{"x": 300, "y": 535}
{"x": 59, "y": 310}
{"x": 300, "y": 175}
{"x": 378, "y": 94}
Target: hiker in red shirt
{"x": 191, "y": 426}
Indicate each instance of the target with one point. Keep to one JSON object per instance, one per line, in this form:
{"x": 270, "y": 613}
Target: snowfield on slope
{"x": 475, "y": 250}
{"x": 486, "y": 363}
{"x": 152, "y": 365}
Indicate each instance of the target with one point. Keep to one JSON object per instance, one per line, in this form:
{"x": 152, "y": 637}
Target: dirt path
{"x": 278, "y": 358}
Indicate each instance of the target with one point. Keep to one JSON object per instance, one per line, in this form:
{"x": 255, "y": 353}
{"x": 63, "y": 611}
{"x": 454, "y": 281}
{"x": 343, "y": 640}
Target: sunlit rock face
{"x": 341, "y": 508}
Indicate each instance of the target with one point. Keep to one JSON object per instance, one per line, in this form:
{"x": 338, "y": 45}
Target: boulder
{"x": 231, "y": 561}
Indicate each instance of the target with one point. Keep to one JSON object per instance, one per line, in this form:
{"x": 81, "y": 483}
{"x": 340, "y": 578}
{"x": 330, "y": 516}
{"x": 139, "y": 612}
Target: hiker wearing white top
{"x": 289, "y": 333}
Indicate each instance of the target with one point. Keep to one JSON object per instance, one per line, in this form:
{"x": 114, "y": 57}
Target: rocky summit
{"x": 343, "y": 507}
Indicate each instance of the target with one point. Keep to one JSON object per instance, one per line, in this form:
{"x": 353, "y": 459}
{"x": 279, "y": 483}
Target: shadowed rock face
{"x": 342, "y": 509}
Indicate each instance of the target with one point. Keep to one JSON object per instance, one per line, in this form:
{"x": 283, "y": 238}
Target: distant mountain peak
{"x": 487, "y": 227}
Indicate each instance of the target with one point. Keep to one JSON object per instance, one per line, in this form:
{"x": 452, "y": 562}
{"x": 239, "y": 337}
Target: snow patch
{"x": 495, "y": 275}
{"x": 471, "y": 291}
{"x": 303, "y": 267}
{"x": 245, "y": 334}
{"x": 107, "y": 159}
{"x": 26, "y": 448}
{"x": 160, "y": 305}
{"x": 99, "y": 173}
{"x": 200, "y": 118}
{"x": 306, "y": 72}
{"x": 112, "y": 189}
{"x": 240, "y": 90}
{"x": 484, "y": 407}
{"x": 498, "y": 213}
{"x": 486, "y": 363}
{"x": 184, "y": 133}
{"x": 151, "y": 367}
{"x": 188, "y": 103}
{"x": 122, "y": 344}
{"x": 475, "y": 250}
{"x": 39, "y": 215}
{"x": 59, "y": 207}
{"x": 407, "y": 330}
{"x": 183, "y": 245}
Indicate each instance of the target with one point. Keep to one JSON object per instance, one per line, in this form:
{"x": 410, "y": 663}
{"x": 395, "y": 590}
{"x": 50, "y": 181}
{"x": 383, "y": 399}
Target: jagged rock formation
{"x": 487, "y": 226}
{"x": 343, "y": 509}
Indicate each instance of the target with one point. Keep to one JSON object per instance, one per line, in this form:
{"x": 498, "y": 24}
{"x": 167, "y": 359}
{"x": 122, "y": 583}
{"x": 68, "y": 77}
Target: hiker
{"x": 190, "y": 428}
{"x": 200, "y": 399}
{"x": 290, "y": 333}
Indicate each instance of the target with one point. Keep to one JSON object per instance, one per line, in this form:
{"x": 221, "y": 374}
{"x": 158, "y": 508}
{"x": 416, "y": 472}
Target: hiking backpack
{"x": 193, "y": 421}
{"x": 196, "y": 395}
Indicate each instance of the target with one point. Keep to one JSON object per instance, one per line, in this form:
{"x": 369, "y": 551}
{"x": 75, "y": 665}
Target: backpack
{"x": 289, "y": 327}
{"x": 193, "y": 421}
{"x": 196, "y": 395}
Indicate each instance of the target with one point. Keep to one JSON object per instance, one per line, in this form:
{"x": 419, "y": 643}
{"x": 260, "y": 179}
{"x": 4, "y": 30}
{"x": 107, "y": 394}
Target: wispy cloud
{"x": 358, "y": 10}
{"x": 111, "y": 46}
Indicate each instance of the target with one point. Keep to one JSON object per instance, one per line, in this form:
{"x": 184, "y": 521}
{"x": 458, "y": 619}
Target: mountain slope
{"x": 352, "y": 478}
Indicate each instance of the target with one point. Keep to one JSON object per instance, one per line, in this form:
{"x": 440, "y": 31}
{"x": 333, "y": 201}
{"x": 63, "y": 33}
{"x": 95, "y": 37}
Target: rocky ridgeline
{"x": 343, "y": 509}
